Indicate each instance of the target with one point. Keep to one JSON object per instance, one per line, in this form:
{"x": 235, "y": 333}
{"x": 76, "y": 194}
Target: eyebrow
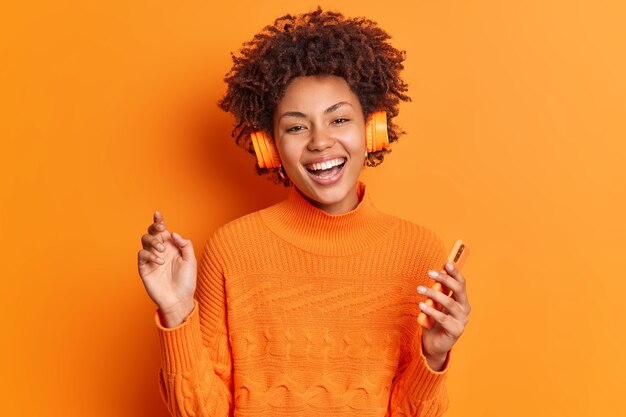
{"x": 328, "y": 110}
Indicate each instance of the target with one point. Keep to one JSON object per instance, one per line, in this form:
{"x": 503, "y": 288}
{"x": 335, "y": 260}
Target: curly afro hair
{"x": 314, "y": 43}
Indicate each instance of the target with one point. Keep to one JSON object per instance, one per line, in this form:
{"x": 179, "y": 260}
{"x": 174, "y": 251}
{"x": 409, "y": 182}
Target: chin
{"x": 330, "y": 197}
{"x": 328, "y": 189}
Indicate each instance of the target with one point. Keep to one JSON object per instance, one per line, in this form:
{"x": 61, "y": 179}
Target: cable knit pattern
{"x": 302, "y": 313}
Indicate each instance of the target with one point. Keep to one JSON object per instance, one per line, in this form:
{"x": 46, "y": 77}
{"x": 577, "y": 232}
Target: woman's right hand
{"x": 167, "y": 266}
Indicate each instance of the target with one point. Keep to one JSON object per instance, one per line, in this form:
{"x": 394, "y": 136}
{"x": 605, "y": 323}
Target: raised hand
{"x": 167, "y": 266}
{"x": 451, "y": 314}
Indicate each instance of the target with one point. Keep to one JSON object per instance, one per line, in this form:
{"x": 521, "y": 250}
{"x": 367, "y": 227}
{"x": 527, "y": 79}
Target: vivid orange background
{"x": 515, "y": 142}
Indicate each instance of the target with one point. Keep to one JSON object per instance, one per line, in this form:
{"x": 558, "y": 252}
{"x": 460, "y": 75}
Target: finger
{"x": 156, "y": 228}
{"x": 158, "y": 216}
{"x": 440, "y": 288}
{"x": 452, "y": 326}
{"x": 430, "y": 303}
{"x": 443, "y": 302}
{"x": 445, "y": 281}
{"x": 152, "y": 242}
{"x": 436, "y": 287}
{"x": 455, "y": 273}
{"x": 461, "y": 293}
{"x": 185, "y": 245}
{"x": 145, "y": 257}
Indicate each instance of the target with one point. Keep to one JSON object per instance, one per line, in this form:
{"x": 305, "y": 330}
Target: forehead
{"x": 316, "y": 92}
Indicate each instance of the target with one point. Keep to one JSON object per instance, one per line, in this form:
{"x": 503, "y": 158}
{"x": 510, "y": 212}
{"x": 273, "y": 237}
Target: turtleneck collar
{"x": 300, "y": 223}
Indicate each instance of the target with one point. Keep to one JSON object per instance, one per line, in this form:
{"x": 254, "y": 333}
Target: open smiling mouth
{"x": 327, "y": 169}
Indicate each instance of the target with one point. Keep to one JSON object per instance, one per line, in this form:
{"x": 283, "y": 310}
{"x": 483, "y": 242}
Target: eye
{"x": 340, "y": 120}
{"x": 295, "y": 128}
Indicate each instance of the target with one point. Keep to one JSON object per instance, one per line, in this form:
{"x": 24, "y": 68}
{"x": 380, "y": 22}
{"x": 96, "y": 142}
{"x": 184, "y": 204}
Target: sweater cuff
{"x": 426, "y": 381}
{"x": 181, "y": 346}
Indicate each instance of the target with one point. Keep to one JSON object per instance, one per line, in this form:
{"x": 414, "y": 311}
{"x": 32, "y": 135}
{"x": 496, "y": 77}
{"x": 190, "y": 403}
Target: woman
{"x": 307, "y": 307}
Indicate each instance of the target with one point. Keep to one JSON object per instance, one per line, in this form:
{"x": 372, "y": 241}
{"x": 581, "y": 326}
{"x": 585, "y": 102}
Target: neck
{"x": 342, "y": 207}
{"x": 310, "y": 228}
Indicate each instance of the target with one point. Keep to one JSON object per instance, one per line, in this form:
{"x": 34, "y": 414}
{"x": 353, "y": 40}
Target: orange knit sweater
{"x": 302, "y": 313}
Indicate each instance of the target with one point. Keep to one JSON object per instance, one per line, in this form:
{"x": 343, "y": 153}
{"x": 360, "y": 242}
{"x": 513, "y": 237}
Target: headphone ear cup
{"x": 257, "y": 149}
{"x": 376, "y": 134}
{"x": 272, "y": 159}
{"x": 265, "y": 150}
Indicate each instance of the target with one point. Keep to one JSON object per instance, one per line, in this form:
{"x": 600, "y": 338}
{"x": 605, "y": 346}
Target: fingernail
{"x": 433, "y": 274}
{"x": 423, "y": 306}
{"x": 449, "y": 266}
{"x": 176, "y": 235}
{"x": 160, "y": 247}
{"x": 421, "y": 290}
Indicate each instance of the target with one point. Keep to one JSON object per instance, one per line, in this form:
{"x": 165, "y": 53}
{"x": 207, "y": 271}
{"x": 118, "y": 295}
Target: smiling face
{"x": 320, "y": 135}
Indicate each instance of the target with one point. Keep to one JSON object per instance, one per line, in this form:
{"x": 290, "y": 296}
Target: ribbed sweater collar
{"x": 300, "y": 223}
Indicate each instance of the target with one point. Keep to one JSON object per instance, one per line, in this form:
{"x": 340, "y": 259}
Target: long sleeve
{"x": 303, "y": 313}
{"x": 417, "y": 389}
{"x": 196, "y": 360}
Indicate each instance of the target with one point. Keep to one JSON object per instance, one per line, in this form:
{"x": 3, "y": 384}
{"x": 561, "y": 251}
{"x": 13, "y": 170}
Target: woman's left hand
{"x": 451, "y": 320}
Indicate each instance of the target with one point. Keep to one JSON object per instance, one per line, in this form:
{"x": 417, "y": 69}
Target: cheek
{"x": 289, "y": 153}
{"x": 355, "y": 145}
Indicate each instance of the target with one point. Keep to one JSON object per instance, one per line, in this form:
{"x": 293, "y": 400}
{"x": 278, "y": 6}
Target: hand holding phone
{"x": 457, "y": 256}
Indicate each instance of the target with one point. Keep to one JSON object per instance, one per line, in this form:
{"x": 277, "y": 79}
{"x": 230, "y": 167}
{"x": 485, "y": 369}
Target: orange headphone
{"x": 376, "y": 138}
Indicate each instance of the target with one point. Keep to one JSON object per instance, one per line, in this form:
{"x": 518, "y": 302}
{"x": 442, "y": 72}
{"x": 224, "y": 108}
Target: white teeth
{"x": 326, "y": 164}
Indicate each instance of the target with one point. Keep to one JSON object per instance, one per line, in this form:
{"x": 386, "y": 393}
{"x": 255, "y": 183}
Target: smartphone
{"x": 457, "y": 256}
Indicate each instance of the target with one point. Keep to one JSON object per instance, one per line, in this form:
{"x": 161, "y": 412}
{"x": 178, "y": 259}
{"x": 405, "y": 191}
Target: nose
{"x": 320, "y": 139}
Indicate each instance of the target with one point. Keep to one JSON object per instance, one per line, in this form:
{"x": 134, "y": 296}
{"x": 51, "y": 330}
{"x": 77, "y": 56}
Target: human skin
{"x": 450, "y": 320}
{"x": 318, "y": 119}
{"x": 167, "y": 266}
